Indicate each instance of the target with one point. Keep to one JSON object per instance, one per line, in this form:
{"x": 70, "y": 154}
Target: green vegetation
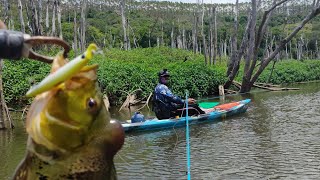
{"x": 121, "y": 72}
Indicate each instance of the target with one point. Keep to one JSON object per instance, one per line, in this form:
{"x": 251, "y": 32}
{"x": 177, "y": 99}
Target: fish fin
{"x": 22, "y": 170}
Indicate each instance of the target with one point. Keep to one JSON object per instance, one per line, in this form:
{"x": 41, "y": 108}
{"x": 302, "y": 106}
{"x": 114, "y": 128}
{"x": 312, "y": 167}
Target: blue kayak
{"x": 219, "y": 112}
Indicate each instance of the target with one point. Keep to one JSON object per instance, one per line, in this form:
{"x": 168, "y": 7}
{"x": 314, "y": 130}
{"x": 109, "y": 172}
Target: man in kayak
{"x": 167, "y": 105}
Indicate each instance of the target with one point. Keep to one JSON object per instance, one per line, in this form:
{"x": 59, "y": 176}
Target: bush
{"x": 121, "y": 72}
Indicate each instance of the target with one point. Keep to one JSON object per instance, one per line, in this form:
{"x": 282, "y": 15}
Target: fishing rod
{"x": 187, "y": 139}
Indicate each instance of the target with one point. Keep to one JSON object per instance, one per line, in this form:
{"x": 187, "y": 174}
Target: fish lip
{"x": 62, "y": 123}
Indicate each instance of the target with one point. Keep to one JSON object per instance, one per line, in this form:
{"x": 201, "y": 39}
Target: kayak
{"x": 218, "y": 112}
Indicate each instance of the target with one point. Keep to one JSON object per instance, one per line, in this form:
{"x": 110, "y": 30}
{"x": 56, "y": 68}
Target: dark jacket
{"x": 165, "y": 102}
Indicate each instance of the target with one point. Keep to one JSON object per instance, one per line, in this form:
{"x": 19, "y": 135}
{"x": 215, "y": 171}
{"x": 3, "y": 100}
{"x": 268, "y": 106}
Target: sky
{"x": 206, "y": 1}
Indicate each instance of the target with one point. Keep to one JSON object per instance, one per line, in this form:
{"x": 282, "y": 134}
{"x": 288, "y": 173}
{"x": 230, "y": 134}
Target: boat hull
{"x": 155, "y": 124}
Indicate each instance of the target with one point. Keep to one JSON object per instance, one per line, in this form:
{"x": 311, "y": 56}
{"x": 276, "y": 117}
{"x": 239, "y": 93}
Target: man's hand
{"x": 191, "y": 101}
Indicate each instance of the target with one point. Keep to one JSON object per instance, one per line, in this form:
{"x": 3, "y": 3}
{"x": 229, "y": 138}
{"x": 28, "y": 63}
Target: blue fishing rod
{"x": 187, "y": 139}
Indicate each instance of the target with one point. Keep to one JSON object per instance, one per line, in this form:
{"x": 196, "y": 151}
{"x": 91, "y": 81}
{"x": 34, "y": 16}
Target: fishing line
{"x": 187, "y": 138}
{"x": 123, "y": 159}
{"x": 177, "y": 137}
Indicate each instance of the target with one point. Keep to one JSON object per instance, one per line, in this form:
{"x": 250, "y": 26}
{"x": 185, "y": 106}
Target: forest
{"x": 128, "y": 24}
{"x": 76, "y": 118}
{"x": 250, "y": 35}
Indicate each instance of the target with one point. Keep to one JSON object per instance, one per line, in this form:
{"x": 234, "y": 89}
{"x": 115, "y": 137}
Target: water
{"x": 277, "y": 138}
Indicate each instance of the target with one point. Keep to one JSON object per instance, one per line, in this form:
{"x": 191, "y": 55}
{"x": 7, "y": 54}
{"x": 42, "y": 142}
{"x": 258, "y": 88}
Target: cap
{"x": 163, "y": 73}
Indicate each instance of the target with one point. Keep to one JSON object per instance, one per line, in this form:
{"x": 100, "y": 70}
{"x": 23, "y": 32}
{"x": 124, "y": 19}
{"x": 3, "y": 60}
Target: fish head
{"x": 71, "y": 113}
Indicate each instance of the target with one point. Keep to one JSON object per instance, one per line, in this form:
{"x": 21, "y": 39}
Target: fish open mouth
{"x": 63, "y": 73}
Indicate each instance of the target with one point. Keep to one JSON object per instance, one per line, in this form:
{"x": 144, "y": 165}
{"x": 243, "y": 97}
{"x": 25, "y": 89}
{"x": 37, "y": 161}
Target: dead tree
{"x": 254, "y": 43}
{"x": 59, "y": 17}
{"x": 47, "y": 17}
{"x": 6, "y": 7}
{"x": 28, "y": 17}
{"x": 211, "y": 32}
{"x": 184, "y": 41}
{"x": 75, "y": 34}
{"x": 162, "y": 33}
{"x": 215, "y": 37}
{"x": 23, "y": 29}
{"x": 234, "y": 39}
{"x": 173, "y": 44}
{"x": 317, "y": 50}
{"x": 179, "y": 39}
{"x": 35, "y": 24}
{"x": 40, "y": 16}
{"x": 4, "y": 112}
{"x": 204, "y": 42}
{"x": 195, "y": 32}
{"x": 83, "y": 25}
{"x": 53, "y": 31}
{"x": 124, "y": 25}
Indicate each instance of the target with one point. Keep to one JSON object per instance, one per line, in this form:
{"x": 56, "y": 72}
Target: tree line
{"x": 258, "y": 32}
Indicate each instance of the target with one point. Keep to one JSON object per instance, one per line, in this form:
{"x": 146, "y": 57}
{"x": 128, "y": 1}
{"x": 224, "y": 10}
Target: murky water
{"x": 277, "y": 138}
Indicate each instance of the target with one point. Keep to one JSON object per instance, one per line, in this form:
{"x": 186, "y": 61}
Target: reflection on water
{"x": 277, "y": 138}
{"x": 12, "y": 147}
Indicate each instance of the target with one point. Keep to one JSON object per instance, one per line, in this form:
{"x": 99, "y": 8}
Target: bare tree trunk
{"x": 123, "y": 18}
{"x": 173, "y": 45}
{"x": 83, "y": 25}
{"x": 314, "y": 12}
{"x": 128, "y": 35}
{"x": 23, "y": 29}
{"x": 75, "y": 34}
{"x": 225, "y": 46}
{"x": 53, "y": 31}
{"x": 250, "y": 55}
{"x": 215, "y": 37}
{"x": 28, "y": 18}
{"x": 6, "y": 6}
{"x": 205, "y": 50}
{"x": 234, "y": 43}
{"x": 299, "y": 49}
{"x": 211, "y": 35}
{"x": 4, "y": 112}
{"x": 241, "y": 51}
{"x": 162, "y": 33}
{"x": 290, "y": 47}
{"x": 317, "y": 50}
{"x": 134, "y": 37}
{"x": 47, "y": 18}
{"x": 34, "y": 19}
{"x": 184, "y": 41}
{"x": 195, "y": 32}
{"x": 59, "y": 18}
{"x": 149, "y": 36}
{"x": 179, "y": 40}
{"x": 7, "y": 17}
{"x": 40, "y": 21}
{"x": 2, "y": 120}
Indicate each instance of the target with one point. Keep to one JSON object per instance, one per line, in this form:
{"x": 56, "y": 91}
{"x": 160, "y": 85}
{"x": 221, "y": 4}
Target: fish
{"x": 70, "y": 133}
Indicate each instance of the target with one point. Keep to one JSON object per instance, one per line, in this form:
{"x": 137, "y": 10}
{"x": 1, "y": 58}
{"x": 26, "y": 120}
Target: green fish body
{"x": 70, "y": 132}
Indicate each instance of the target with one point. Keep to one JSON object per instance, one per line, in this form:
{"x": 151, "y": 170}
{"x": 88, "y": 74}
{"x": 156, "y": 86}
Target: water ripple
{"x": 278, "y": 138}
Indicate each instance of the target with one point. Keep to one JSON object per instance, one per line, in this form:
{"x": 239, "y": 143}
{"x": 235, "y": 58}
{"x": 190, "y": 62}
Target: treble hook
{"x": 15, "y": 45}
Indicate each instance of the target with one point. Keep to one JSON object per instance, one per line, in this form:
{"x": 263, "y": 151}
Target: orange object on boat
{"x": 227, "y": 106}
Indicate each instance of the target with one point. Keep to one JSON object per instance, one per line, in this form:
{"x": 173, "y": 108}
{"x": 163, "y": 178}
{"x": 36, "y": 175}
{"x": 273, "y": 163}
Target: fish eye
{"x": 92, "y": 103}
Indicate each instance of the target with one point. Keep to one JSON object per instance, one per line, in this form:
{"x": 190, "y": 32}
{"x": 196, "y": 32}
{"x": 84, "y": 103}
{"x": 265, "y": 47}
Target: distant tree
{"x": 256, "y": 34}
